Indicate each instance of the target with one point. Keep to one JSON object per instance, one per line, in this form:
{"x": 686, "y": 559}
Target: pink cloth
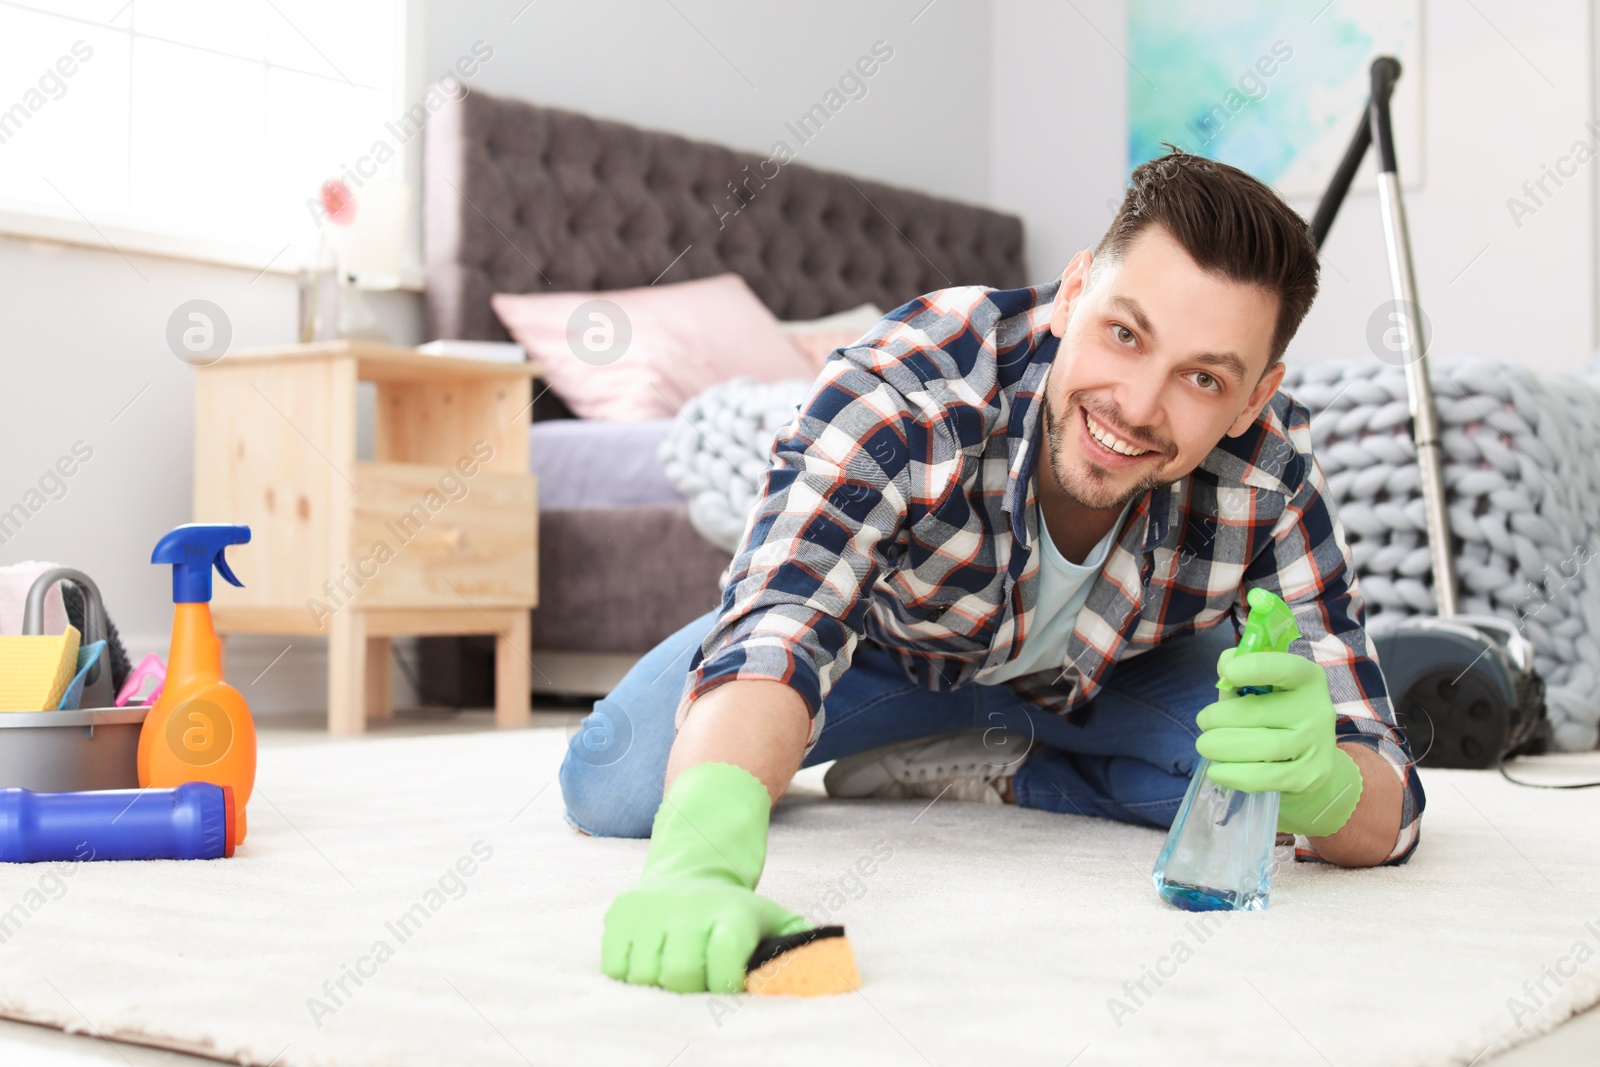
{"x": 642, "y": 353}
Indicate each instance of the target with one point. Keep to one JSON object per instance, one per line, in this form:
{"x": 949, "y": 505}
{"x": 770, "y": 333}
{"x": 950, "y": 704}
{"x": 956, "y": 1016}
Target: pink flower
{"x": 338, "y": 201}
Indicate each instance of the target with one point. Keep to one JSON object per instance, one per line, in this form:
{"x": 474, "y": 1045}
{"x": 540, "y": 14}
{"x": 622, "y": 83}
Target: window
{"x": 208, "y": 120}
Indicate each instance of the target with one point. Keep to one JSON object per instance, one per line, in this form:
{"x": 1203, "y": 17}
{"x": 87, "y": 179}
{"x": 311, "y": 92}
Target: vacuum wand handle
{"x": 1413, "y": 345}
{"x": 1374, "y": 130}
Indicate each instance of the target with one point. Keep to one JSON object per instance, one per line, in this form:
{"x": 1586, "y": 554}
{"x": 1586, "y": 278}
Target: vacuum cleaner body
{"x": 1464, "y": 690}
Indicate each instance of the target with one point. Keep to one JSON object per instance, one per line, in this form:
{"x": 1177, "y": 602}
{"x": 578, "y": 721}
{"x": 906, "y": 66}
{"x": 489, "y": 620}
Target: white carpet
{"x": 986, "y": 936}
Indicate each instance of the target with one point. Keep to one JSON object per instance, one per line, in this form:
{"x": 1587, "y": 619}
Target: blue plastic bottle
{"x": 192, "y": 822}
{"x": 1218, "y": 854}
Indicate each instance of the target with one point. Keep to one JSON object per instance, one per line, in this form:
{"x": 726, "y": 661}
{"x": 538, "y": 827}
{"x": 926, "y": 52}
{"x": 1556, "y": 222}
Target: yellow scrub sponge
{"x": 35, "y": 669}
{"x": 811, "y": 963}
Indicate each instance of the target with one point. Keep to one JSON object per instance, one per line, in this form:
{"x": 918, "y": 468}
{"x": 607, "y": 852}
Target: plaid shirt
{"x": 899, "y": 506}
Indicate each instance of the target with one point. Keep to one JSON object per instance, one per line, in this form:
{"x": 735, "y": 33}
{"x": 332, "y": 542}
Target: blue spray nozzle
{"x": 193, "y": 549}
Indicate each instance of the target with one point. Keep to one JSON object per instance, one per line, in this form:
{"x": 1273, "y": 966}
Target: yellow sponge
{"x": 811, "y": 963}
{"x": 36, "y": 669}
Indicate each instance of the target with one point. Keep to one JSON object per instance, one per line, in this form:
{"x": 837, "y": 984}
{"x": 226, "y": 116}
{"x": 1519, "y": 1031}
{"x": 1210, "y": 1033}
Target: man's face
{"x": 1158, "y": 359}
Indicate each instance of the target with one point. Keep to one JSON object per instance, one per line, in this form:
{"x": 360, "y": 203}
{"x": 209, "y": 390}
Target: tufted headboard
{"x": 521, "y": 198}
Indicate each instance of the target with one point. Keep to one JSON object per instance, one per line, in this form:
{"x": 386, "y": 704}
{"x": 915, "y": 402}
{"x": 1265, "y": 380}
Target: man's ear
{"x": 1073, "y": 280}
{"x": 1258, "y": 399}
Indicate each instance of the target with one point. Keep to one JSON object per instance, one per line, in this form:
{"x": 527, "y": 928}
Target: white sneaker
{"x": 971, "y": 765}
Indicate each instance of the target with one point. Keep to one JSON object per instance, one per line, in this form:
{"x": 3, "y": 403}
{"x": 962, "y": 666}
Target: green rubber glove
{"x": 1282, "y": 741}
{"x": 693, "y": 920}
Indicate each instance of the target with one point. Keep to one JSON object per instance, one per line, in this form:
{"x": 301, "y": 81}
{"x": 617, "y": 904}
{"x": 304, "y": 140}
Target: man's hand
{"x": 1281, "y": 741}
{"x": 689, "y": 935}
{"x": 693, "y": 919}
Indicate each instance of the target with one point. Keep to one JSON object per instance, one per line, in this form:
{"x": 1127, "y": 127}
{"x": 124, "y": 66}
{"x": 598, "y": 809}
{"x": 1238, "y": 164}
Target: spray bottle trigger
{"x": 1271, "y": 627}
{"x": 194, "y": 550}
{"x": 221, "y": 562}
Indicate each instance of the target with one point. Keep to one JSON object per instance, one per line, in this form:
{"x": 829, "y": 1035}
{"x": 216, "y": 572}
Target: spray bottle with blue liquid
{"x": 1218, "y": 854}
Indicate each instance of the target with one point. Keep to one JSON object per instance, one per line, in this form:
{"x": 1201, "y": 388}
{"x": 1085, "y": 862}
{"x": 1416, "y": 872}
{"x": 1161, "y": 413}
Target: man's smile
{"x": 1104, "y": 436}
{"x": 1106, "y": 448}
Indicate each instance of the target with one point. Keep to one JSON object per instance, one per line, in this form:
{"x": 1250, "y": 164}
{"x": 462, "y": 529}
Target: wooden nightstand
{"x": 437, "y": 535}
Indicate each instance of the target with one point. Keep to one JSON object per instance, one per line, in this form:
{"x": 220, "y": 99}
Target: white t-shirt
{"x": 1063, "y": 588}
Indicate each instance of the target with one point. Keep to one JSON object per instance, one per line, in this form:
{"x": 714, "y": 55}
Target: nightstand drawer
{"x": 431, "y": 537}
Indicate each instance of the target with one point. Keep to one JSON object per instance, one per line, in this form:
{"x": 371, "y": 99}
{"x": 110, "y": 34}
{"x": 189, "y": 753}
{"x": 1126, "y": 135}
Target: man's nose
{"x": 1139, "y": 402}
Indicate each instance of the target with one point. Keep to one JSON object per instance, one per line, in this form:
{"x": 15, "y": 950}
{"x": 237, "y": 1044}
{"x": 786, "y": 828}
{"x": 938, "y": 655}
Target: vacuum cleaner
{"x": 1464, "y": 687}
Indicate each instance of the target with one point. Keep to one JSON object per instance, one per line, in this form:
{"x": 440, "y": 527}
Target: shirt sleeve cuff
{"x": 1411, "y": 804}
{"x": 745, "y": 662}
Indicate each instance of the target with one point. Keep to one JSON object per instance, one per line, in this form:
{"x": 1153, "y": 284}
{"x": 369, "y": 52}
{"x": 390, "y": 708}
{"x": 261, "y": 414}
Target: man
{"x": 988, "y": 562}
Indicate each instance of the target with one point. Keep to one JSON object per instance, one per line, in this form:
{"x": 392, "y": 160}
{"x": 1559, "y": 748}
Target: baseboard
{"x": 281, "y": 673}
{"x": 290, "y": 673}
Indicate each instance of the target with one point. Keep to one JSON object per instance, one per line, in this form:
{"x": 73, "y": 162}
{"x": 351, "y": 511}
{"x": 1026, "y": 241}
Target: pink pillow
{"x": 641, "y": 353}
{"x": 817, "y": 345}
{"x": 817, "y": 338}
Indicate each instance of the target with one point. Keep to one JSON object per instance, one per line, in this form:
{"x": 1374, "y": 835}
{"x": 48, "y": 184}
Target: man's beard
{"x": 1095, "y": 492}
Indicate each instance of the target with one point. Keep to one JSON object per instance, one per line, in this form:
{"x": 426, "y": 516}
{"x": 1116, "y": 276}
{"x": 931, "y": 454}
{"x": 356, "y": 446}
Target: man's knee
{"x": 616, "y": 763}
{"x": 610, "y": 787}
{"x": 1159, "y": 813}
{"x": 1146, "y": 792}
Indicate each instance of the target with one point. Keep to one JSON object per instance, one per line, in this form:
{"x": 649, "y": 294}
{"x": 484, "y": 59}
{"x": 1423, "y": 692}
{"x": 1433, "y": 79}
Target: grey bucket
{"x": 58, "y": 751}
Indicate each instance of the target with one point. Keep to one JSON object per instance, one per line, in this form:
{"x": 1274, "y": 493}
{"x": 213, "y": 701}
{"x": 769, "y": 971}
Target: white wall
{"x": 734, "y": 73}
{"x": 1491, "y": 119}
{"x": 1059, "y": 124}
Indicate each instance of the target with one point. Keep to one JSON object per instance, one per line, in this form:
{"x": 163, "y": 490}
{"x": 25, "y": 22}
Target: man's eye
{"x": 1120, "y": 329}
{"x": 1206, "y": 381}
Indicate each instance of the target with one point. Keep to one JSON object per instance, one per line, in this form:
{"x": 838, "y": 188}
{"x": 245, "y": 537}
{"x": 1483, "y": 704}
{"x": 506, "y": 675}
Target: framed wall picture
{"x": 1273, "y": 88}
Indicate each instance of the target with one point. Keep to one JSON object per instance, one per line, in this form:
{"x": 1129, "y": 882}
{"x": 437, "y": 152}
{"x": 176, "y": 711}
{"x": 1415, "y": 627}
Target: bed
{"x": 521, "y": 198}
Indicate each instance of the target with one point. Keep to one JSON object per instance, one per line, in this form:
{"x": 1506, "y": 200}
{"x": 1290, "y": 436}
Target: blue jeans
{"x": 1130, "y": 758}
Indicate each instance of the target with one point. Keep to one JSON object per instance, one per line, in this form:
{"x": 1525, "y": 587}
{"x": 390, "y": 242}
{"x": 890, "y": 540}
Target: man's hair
{"x": 1229, "y": 223}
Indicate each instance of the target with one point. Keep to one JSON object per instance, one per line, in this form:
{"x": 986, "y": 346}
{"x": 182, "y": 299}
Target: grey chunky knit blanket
{"x": 1522, "y": 477}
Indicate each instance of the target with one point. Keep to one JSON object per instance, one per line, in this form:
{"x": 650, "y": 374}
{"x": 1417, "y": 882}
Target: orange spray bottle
{"x": 201, "y": 729}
